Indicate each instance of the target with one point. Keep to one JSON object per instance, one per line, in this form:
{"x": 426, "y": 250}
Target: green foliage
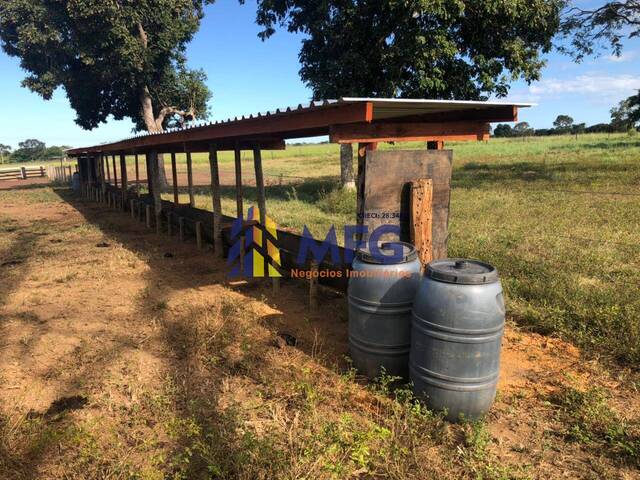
{"x": 627, "y": 114}
{"x": 111, "y": 58}
{"x": 33, "y": 150}
{"x": 416, "y": 48}
{"x": 340, "y": 200}
{"x": 503, "y": 130}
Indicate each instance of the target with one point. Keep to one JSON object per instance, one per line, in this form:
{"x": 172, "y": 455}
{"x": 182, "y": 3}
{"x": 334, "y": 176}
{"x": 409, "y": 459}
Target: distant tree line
{"x": 625, "y": 117}
{"x": 30, "y": 150}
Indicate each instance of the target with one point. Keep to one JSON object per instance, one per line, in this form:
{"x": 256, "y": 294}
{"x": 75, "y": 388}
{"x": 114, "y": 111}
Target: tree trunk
{"x": 346, "y": 166}
{"x": 153, "y": 127}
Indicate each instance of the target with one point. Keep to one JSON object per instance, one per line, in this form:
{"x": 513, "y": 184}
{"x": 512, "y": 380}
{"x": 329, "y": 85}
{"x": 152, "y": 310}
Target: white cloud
{"x": 624, "y": 57}
{"x": 598, "y": 87}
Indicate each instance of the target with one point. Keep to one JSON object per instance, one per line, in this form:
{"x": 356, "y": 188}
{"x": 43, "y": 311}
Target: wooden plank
{"x": 174, "y": 174}
{"x": 215, "y": 198}
{"x": 363, "y": 148}
{"x": 391, "y": 132}
{"x": 192, "y": 201}
{"x": 103, "y": 181}
{"x": 387, "y": 196}
{"x": 422, "y": 218}
{"x": 108, "y": 169}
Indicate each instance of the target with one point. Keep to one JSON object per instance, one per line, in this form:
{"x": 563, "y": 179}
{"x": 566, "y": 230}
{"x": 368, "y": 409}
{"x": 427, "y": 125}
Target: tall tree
{"x": 124, "y": 58}
{"x": 627, "y": 114}
{"x": 416, "y": 48}
{"x": 591, "y": 29}
{"x": 563, "y": 123}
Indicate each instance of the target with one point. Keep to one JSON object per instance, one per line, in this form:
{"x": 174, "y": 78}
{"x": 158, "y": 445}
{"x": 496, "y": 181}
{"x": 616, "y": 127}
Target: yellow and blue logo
{"x": 252, "y": 255}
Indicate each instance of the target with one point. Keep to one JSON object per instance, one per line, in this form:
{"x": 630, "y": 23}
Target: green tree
{"x": 414, "y": 48}
{"x": 522, "y": 129}
{"x": 503, "y": 130}
{"x": 563, "y": 123}
{"x": 122, "y": 58}
{"x": 29, "y": 150}
{"x": 590, "y": 29}
{"x": 627, "y": 114}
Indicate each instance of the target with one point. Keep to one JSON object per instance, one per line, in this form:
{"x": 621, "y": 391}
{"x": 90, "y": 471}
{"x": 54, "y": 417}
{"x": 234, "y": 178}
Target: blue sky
{"x": 247, "y": 75}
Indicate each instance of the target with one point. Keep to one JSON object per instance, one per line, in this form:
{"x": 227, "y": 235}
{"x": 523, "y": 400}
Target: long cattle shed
{"x": 363, "y": 121}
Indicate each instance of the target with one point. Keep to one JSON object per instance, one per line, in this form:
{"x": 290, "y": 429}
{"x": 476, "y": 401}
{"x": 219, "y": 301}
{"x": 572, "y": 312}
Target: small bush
{"x": 342, "y": 200}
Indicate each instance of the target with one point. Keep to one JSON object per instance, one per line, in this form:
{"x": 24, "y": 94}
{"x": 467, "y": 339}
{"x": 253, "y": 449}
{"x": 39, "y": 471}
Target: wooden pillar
{"x": 360, "y": 183}
{"x": 262, "y": 205}
{"x": 147, "y": 159}
{"x": 199, "y": 235}
{"x": 174, "y": 172}
{"x": 115, "y": 173}
{"x": 103, "y": 182}
{"x": 215, "y": 197}
{"x": 123, "y": 178}
{"x": 238, "y": 170}
{"x": 239, "y": 205}
{"x": 192, "y": 201}
{"x": 155, "y": 182}
{"x": 105, "y": 158}
{"x": 137, "y": 176}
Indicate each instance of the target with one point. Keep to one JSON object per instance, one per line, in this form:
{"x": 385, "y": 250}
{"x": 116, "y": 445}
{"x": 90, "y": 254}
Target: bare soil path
{"x": 124, "y": 354}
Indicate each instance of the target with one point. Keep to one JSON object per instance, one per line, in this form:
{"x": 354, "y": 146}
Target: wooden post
{"x": 140, "y": 204}
{"x": 174, "y": 172}
{"x": 108, "y": 169}
{"x": 147, "y": 211}
{"x": 192, "y": 201}
{"x": 155, "y": 182}
{"x": 169, "y": 226}
{"x": 239, "y": 205}
{"x": 115, "y": 173}
{"x": 215, "y": 197}
{"x": 123, "y": 178}
{"x": 137, "y": 176}
{"x": 199, "y": 235}
{"x": 313, "y": 286}
{"x": 181, "y": 228}
{"x": 103, "y": 182}
{"x": 133, "y": 209}
{"x": 147, "y": 161}
{"x": 360, "y": 184}
{"x": 421, "y": 218}
{"x": 262, "y": 205}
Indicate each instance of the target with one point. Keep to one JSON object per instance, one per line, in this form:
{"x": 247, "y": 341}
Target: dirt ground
{"x": 124, "y": 354}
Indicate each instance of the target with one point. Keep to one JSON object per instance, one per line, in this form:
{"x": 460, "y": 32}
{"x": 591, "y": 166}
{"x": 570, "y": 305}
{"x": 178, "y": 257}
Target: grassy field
{"x": 558, "y": 216}
{"x": 130, "y": 355}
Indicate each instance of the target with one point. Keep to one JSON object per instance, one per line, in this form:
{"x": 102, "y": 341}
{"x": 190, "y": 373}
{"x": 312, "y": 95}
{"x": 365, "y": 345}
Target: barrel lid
{"x": 463, "y": 271}
{"x": 388, "y": 250}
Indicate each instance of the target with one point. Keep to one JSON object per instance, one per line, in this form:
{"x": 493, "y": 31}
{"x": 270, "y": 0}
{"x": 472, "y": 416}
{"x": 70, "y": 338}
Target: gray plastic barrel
{"x": 75, "y": 182}
{"x": 457, "y": 327}
{"x": 380, "y": 299}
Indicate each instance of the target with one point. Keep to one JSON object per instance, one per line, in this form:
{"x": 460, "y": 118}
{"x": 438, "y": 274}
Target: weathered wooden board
{"x": 422, "y": 218}
{"x": 387, "y": 191}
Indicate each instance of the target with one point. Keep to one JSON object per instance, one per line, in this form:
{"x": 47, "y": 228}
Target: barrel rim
{"x": 436, "y": 272}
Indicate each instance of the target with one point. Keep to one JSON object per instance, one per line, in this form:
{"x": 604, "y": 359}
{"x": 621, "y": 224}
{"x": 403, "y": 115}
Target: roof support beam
{"x": 408, "y": 132}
